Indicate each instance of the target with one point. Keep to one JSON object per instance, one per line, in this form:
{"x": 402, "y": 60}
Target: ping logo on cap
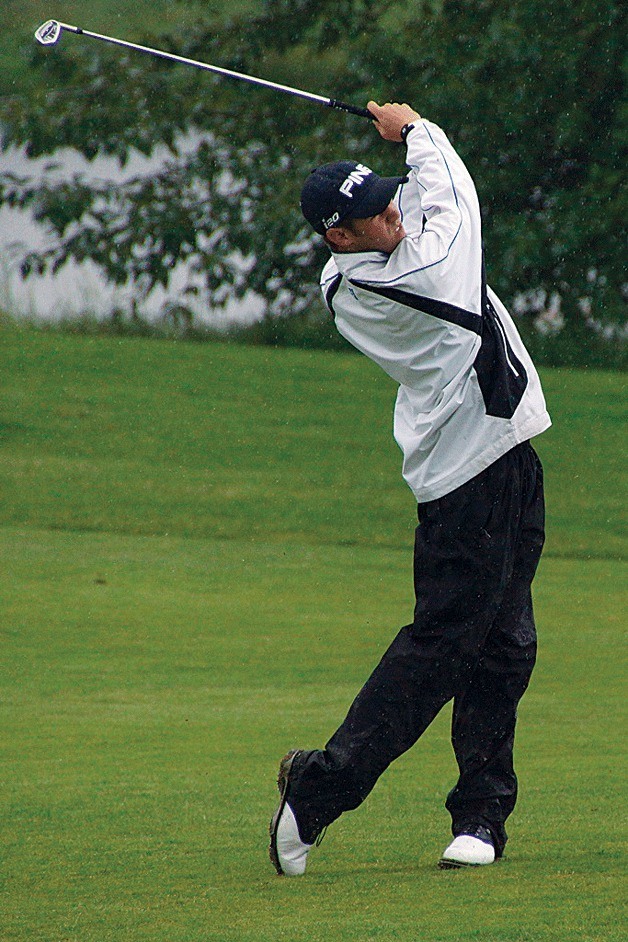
{"x": 355, "y": 178}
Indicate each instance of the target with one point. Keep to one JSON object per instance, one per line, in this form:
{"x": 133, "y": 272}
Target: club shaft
{"x": 229, "y": 73}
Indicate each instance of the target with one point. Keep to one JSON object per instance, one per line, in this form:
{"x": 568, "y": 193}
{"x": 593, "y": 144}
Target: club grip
{"x": 352, "y": 109}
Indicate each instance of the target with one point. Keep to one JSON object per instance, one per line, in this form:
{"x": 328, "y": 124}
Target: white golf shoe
{"x": 288, "y": 853}
{"x": 469, "y": 850}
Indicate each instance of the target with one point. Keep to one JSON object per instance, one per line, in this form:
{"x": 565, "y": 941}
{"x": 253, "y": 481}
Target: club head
{"x": 48, "y": 33}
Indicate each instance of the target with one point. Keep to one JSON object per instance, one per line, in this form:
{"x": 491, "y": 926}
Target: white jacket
{"x": 468, "y": 389}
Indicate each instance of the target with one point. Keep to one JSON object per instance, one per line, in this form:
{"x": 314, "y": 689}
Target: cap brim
{"x": 377, "y": 199}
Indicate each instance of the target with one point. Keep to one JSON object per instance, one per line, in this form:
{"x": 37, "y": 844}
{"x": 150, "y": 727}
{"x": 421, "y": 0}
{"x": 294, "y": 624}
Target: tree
{"x": 531, "y": 94}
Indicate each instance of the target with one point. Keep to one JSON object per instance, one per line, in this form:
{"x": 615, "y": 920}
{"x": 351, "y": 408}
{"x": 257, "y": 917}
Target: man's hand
{"x": 390, "y": 118}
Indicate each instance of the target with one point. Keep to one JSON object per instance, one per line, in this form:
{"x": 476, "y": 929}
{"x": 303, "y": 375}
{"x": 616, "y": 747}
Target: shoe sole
{"x": 285, "y": 767}
{"x": 445, "y": 864}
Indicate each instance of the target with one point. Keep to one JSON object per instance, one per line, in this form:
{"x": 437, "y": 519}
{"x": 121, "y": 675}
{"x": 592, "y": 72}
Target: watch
{"x": 405, "y": 131}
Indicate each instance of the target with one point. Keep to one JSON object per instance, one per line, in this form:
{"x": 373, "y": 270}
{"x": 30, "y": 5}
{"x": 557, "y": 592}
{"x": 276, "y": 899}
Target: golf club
{"x": 50, "y": 31}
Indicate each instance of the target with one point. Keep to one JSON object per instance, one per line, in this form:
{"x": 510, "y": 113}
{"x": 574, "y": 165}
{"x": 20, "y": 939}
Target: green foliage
{"x": 530, "y": 93}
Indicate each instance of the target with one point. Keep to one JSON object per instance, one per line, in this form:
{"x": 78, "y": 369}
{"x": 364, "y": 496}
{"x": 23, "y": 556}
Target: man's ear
{"x": 339, "y": 238}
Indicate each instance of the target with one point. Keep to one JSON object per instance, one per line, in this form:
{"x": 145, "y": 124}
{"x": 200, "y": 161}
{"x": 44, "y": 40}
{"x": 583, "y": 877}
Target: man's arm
{"x": 449, "y": 243}
{"x": 391, "y": 118}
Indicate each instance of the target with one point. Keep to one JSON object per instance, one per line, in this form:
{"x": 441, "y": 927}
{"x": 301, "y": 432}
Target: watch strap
{"x": 406, "y": 130}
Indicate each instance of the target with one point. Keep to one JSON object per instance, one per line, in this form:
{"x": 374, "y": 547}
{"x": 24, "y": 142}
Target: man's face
{"x": 381, "y": 233}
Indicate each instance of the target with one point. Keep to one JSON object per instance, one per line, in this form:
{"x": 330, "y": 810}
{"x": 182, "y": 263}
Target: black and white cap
{"x": 343, "y": 190}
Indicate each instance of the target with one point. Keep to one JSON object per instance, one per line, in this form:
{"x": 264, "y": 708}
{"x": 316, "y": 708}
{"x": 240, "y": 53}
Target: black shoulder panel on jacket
{"x": 330, "y": 292}
{"x": 440, "y": 309}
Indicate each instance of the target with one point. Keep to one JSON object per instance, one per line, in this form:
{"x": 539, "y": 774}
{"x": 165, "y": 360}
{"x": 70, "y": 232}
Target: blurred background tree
{"x": 531, "y": 94}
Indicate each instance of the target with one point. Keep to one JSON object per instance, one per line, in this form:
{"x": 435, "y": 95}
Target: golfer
{"x": 406, "y": 286}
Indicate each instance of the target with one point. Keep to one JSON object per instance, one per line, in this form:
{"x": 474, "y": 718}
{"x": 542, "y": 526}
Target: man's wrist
{"x": 406, "y": 130}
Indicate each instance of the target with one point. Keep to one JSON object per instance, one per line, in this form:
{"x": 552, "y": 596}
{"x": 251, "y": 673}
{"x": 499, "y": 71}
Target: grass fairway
{"x": 205, "y": 549}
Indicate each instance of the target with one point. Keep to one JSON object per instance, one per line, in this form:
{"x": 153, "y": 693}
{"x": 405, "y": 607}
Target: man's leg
{"x": 398, "y": 702}
{"x": 483, "y": 732}
{"x": 484, "y": 716}
{"x": 461, "y": 573}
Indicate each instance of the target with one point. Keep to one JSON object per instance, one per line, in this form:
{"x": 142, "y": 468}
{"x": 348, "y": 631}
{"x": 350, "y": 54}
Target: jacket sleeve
{"x": 447, "y": 242}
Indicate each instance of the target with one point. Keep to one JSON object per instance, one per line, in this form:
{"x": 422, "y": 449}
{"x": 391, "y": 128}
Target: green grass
{"x": 213, "y": 440}
{"x": 204, "y": 551}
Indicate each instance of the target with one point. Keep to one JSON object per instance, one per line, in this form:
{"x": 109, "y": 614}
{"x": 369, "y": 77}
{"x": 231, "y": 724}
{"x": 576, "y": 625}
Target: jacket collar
{"x": 360, "y": 264}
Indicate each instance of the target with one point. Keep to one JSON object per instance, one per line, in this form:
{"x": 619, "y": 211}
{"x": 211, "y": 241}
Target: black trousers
{"x": 472, "y": 640}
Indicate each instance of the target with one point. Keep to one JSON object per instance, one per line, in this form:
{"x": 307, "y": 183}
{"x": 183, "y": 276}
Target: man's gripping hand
{"x": 391, "y": 118}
